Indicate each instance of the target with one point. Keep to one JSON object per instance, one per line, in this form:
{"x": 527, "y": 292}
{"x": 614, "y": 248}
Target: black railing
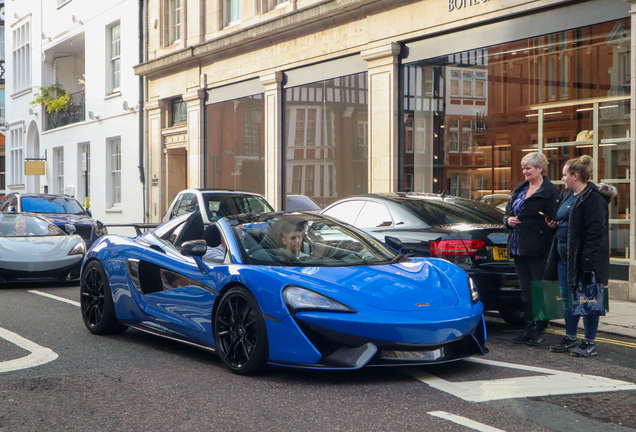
{"x": 75, "y": 112}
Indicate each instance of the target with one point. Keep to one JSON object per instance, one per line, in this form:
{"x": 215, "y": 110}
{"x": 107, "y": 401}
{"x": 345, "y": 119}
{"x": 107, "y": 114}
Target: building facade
{"x": 342, "y": 97}
{"x": 73, "y": 102}
{"x": 2, "y": 111}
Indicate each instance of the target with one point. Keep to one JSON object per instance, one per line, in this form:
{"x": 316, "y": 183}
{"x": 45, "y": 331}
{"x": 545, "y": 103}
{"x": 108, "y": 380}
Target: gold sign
{"x": 34, "y": 167}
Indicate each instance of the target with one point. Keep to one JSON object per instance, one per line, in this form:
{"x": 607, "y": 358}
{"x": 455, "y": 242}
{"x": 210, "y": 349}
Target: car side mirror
{"x": 194, "y": 248}
{"x": 89, "y": 213}
{"x": 393, "y": 242}
{"x": 70, "y": 229}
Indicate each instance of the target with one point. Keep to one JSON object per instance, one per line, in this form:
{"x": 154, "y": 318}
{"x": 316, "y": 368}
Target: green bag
{"x": 547, "y": 303}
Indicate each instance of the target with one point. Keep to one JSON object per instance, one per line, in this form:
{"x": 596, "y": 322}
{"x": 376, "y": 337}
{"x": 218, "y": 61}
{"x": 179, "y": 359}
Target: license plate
{"x": 500, "y": 254}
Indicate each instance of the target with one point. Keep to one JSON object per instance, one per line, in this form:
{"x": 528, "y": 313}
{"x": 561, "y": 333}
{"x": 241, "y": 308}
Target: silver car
{"x": 32, "y": 248}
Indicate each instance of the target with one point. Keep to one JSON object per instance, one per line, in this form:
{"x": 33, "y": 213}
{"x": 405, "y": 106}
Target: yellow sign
{"x": 34, "y": 167}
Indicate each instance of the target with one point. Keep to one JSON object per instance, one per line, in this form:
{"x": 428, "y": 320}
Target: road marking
{"x": 464, "y": 421}
{"x": 62, "y": 299}
{"x": 39, "y": 354}
{"x": 598, "y": 339}
{"x": 550, "y": 382}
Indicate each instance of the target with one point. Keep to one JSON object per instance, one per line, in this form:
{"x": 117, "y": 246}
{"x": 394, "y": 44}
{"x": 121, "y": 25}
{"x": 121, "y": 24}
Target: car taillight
{"x": 456, "y": 247}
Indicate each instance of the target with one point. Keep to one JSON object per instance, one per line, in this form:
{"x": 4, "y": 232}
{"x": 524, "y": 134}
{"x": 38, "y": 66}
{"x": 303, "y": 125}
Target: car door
{"x": 175, "y": 291}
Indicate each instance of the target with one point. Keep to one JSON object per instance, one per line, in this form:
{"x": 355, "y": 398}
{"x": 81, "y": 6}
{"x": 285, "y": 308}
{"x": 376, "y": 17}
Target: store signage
{"x": 462, "y": 4}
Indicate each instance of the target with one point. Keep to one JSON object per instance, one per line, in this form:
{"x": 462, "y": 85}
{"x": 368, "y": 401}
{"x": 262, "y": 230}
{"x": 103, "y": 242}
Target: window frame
{"x": 21, "y": 55}
{"x": 175, "y": 21}
{"x": 114, "y": 168}
{"x": 59, "y": 170}
{"x": 114, "y": 58}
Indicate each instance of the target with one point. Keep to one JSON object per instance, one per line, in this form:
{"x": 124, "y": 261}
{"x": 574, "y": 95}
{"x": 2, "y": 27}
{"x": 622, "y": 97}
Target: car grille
{"x": 86, "y": 232}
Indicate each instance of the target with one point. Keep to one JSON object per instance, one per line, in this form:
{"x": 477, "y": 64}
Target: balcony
{"x": 75, "y": 112}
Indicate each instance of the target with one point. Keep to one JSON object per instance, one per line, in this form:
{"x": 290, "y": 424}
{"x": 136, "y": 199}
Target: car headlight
{"x": 299, "y": 299}
{"x": 100, "y": 229}
{"x": 472, "y": 288}
{"x": 78, "y": 249}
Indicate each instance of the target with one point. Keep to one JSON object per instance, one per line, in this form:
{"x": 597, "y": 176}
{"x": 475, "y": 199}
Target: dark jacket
{"x": 534, "y": 235}
{"x": 588, "y": 236}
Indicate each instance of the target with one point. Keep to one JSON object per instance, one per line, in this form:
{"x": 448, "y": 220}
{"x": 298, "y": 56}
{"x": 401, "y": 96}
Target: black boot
{"x": 539, "y": 335}
{"x": 526, "y": 335}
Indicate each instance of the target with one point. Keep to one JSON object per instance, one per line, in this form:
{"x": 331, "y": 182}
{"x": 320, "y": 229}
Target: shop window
{"x": 551, "y": 93}
{"x": 326, "y": 138}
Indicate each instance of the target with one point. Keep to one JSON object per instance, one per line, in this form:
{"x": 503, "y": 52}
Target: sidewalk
{"x": 620, "y": 320}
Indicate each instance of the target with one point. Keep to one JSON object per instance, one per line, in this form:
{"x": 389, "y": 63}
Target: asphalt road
{"x": 139, "y": 382}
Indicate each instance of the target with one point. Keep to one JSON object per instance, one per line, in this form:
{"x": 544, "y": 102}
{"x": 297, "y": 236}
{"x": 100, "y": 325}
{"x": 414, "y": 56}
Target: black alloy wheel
{"x": 98, "y": 310}
{"x": 240, "y": 333}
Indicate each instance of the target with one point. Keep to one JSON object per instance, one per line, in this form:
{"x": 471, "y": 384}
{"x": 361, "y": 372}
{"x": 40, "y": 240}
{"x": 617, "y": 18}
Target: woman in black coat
{"x": 531, "y": 237}
{"x": 580, "y": 247}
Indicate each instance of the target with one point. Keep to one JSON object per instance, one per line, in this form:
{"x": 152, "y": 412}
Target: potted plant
{"x": 54, "y": 98}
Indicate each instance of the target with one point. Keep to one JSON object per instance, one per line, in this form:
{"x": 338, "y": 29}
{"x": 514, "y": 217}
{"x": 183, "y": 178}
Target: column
{"x": 383, "y": 116}
{"x": 155, "y": 161}
{"x": 195, "y": 147}
{"x": 273, "y": 139}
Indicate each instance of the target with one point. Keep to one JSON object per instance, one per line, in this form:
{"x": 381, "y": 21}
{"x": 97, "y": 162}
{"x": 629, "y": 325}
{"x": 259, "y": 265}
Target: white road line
{"x": 62, "y": 299}
{"x": 464, "y": 421}
{"x": 549, "y": 382}
{"x": 39, "y": 354}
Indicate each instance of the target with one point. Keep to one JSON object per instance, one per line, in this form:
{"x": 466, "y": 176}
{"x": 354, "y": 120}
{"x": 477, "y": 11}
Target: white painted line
{"x": 550, "y": 382}
{"x": 62, "y": 299}
{"x": 39, "y": 354}
{"x": 465, "y": 421}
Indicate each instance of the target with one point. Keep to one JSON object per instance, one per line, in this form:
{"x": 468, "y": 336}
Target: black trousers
{"x": 529, "y": 268}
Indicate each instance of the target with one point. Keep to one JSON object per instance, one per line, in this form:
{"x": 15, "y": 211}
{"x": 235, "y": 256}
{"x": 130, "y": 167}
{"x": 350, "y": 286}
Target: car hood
{"x": 17, "y": 248}
{"x": 61, "y": 219}
{"x": 408, "y": 286}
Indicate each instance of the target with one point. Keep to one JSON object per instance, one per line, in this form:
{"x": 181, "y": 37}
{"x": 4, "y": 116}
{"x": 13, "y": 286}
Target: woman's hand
{"x": 551, "y": 223}
{"x": 513, "y": 221}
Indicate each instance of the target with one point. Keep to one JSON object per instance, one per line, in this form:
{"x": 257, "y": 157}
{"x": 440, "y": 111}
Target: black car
{"x": 62, "y": 210}
{"x": 466, "y": 232}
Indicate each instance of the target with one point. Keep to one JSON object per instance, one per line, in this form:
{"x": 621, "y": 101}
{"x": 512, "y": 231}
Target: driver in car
{"x": 292, "y": 238}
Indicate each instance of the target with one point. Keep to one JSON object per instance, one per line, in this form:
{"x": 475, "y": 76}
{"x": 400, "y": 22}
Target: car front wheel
{"x": 240, "y": 333}
{"x": 98, "y": 310}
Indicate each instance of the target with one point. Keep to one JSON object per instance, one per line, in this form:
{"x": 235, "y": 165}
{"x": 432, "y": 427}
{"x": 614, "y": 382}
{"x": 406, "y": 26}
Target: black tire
{"x": 512, "y": 317}
{"x": 240, "y": 333}
{"x": 98, "y": 310}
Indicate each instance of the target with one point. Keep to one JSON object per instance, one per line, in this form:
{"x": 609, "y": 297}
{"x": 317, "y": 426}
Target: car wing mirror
{"x": 194, "y": 248}
{"x": 393, "y": 242}
{"x": 70, "y": 229}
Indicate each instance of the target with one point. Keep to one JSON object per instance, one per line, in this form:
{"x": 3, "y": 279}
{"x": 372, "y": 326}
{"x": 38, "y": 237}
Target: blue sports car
{"x": 286, "y": 289}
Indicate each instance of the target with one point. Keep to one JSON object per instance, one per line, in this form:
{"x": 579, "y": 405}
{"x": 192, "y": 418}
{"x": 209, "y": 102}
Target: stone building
{"x": 341, "y": 97}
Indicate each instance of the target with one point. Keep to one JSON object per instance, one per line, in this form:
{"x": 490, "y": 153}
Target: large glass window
{"x": 235, "y": 144}
{"x": 326, "y": 138}
{"x": 22, "y": 57}
{"x": 470, "y": 117}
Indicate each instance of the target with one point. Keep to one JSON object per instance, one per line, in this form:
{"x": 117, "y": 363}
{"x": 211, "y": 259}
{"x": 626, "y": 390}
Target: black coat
{"x": 588, "y": 236}
{"x": 534, "y": 236}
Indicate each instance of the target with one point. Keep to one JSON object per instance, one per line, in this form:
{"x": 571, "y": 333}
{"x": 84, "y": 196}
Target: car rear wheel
{"x": 512, "y": 317}
{"x": 98, "y": 310}
{"x": 240, "y": 333}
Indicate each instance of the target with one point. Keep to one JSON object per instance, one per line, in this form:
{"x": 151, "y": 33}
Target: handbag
{"x": 589, "y": 298}
{"x": 547, "y": 303}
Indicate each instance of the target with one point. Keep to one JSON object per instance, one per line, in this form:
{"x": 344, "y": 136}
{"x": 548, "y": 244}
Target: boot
{"x": 539, "y": 335}
{"x": 526, "y": 335}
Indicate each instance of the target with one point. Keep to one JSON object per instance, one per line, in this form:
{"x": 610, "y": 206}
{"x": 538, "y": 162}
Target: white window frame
{"x": 114, "y": 54}
{"x": 16, "y": 157}
{"x": 59, "y": 170}
{"x": 21, "y": 54}
{"x": 82, "y": 148}
{"x": 231, "y": 12}
{"x": 114, "y": 167}
{"x": 175, "y": 21}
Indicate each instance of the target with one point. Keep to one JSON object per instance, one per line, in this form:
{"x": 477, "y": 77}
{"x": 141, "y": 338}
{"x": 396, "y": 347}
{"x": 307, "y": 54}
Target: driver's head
{"x": 292, "y": 235}
{"x": 20, "y": 226}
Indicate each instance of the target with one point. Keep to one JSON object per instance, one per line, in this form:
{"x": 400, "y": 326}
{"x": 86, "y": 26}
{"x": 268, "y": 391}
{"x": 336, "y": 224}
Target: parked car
{"x": 33, "y": 248}
{"x": 216, "y": 203}
{"x": 299, "y": 202}
{"x": 468, "y": 233}
{"x": 498, "y": 200}
{"x": 344, "y": 303}
{"x": 62, "y": 210}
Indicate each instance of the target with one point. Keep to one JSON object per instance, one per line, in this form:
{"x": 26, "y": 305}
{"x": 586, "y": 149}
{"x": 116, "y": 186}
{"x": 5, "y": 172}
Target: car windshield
{"x": 13, "y": 225}
{"x": 221, "y": 205}
{"x": 60, "y": 205}
{"x": 307, "y": 241}
{"x": 454, "y": 211}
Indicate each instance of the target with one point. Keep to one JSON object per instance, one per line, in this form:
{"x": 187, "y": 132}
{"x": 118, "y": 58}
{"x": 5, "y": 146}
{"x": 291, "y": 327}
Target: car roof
{"x": 38, "y": 195}
{"x": 220, "y": 191}
{"x": 399, "y": 197}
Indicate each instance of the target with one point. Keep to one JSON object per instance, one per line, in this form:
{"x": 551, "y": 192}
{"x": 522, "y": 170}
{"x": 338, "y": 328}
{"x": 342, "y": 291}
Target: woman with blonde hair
{"x": 580, "y": 248}
{"x": 531, "y": 237}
